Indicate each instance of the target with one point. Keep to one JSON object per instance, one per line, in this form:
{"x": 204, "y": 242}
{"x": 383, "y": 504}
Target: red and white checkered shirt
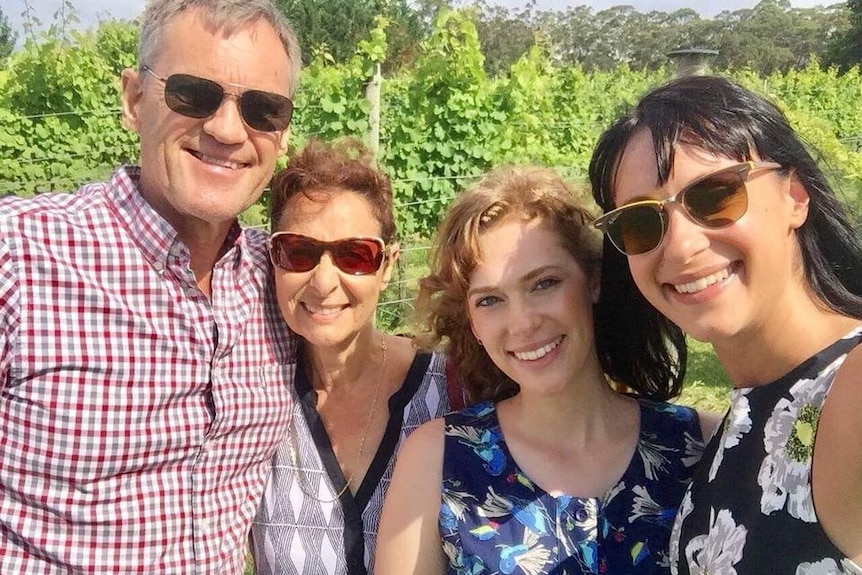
{"x": 137, "y": 416}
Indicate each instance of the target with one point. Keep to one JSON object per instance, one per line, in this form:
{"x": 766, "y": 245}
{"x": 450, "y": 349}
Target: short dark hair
{"x": 322, "y": 168}
{"x": 727, "y": 120}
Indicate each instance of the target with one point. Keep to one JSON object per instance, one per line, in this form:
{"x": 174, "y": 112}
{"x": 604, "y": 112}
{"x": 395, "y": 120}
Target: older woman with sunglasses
{"x": 721, "y": 225}
{"x": 358, "y": 391}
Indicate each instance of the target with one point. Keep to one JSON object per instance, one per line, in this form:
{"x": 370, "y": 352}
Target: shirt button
{"x": 581, "y": 515}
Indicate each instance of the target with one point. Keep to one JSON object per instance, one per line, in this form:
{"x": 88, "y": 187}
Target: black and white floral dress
{"x": 749, "y": 508}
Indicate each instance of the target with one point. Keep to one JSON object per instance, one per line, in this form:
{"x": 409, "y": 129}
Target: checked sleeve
{"x": 9, "y": 310}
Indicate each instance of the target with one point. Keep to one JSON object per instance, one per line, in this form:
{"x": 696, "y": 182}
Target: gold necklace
{"x": 292, "y": 454}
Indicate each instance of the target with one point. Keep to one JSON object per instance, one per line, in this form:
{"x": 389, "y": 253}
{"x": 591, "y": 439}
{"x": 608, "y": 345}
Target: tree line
{"x": 771, "y": 37}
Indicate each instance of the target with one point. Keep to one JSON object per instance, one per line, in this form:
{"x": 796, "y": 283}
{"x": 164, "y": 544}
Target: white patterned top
{"x": 294, "y": 534}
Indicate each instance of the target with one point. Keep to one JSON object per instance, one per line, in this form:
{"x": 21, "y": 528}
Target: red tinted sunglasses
{"x": 297, "y": 253}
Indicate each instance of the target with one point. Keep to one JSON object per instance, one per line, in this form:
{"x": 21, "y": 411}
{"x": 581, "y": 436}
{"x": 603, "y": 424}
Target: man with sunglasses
{"x": 144, "y": 368}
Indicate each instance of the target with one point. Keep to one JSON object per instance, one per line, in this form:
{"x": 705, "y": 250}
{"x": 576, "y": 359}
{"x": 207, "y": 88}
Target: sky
{"x": 92, "y": 11}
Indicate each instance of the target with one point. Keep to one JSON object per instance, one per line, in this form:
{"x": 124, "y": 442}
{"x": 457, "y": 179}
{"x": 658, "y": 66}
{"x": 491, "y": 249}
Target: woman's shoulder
{"x": 427, "y": 438}
{"x": 671, "y": 420}
{"x": 664, "y": 411}
{"x": 435, "y": 371}
{"x": 418, "y": 363}
{"x": 415, "y": 365}
{"x": 476, "y": 414}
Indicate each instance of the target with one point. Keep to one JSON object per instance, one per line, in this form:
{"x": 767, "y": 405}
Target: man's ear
{"x": 283, "y": 141}
{"x": 132, "y": 92}
{"x": 389, "y": 264}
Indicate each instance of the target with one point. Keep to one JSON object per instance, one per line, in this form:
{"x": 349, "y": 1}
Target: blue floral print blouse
{"x": 494, "y": 519}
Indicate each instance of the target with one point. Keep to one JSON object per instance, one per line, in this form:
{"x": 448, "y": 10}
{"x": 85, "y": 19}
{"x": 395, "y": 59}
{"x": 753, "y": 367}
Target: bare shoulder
{"x": 408, "y": 542}
{"x": 845, "y": 401}
{"x": 841, "y": 413}
{"x": 425, "y": 444}
{"x": 837, "y": 465}
{"x": 401, "y": 345}
{"x": 419, "y": 463}
{"x": 418, "y": 467}
{"x": 400, "y": 353}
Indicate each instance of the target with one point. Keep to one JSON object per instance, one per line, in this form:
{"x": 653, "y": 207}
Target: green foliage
{"x": 771, "y": 36}
{"x": 443, "y": 122}
{"x": 330, "y": 102}
{"x": 331, "y": 26}
{"x": 845, "y": 47}
{"x": 504, "y": 35}
{"x": 8, "y": 37}
{"x": 336, "y": 27}
{"x": 817, "y": 102}
{"x": 60, "y": 104}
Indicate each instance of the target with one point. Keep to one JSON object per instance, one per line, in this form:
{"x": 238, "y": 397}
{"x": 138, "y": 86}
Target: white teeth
{"x": 219, "y": 162}
{"x": 322, "y": 310}
{"x": 538, "y": 353}
{"x": 702, "y": 283}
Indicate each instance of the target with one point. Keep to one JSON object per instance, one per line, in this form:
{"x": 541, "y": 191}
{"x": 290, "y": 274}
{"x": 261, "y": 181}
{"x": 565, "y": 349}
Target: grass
{"x": 706, "y": 386}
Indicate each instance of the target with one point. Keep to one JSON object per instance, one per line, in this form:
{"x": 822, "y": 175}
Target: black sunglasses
{"x": 298, "y": 253}
{"x": 196, "y": 97}
{"x": 715, "y": 200}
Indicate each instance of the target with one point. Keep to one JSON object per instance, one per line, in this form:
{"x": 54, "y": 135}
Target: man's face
{"x": 200, "y": 173}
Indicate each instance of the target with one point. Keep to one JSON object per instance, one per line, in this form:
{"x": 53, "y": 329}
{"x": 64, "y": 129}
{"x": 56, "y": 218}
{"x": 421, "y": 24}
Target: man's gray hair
{"x": 226, "y": 15}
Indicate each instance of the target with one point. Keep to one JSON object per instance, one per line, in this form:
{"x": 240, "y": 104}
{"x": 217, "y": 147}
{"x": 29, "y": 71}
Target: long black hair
{"x": 724, "y": 119}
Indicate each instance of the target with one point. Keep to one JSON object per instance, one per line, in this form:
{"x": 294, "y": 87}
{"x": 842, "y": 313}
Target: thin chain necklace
{"x": 292, "y": 454}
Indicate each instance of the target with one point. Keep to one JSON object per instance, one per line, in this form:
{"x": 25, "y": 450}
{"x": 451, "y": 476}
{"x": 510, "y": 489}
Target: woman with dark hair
{"x": 551, "y": 471}
{"x": 358, "y": 392}
{"x": 719, "y": 224}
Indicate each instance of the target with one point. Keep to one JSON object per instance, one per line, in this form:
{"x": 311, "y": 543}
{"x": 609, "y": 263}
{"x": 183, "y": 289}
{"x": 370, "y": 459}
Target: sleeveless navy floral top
{"x": 494, "y": 519}
{"x": 750, "y": 507}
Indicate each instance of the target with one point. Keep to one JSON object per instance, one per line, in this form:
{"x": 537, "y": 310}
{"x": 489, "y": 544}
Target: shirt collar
{"x": 156, "y": 238}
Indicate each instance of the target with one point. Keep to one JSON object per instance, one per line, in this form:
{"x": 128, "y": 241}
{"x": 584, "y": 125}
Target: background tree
{"x": 653, "y": 35}
{"x": 773, "y": 36}
{"x": 504, "y": 35}
{"x": 573, "y": 34}
{"x": 618, "y": 35}
{"x": 845, "y": 49}
{"x": 332, "y": 26}
{"x": 769, "y": 37}
{"x": 8, "y": 37}
{"x": 404, "y": 34}
{"x": 335, "y": 27}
